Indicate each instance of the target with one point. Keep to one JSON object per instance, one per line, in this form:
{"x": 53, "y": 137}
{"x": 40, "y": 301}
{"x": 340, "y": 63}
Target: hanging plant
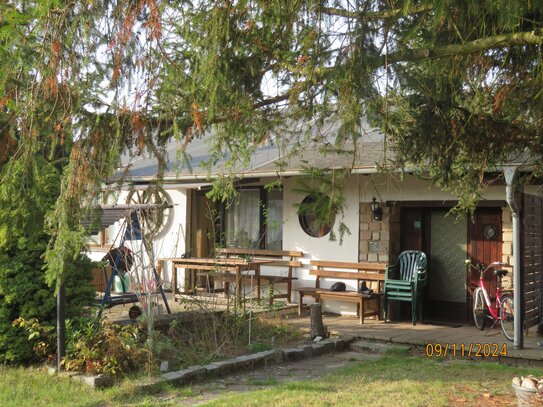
{"x": 324, "y": 201}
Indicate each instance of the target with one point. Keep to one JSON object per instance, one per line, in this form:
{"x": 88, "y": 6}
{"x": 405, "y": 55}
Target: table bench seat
{"x": 287, "y": 259}
{"x": 369, "y": 272}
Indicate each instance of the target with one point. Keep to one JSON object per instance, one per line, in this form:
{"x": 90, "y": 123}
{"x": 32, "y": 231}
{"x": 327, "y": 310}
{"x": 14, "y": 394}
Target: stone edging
{"x": 247, "y": 362}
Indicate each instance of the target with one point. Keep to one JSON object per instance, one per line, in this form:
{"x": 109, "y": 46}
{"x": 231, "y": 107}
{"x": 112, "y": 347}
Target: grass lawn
{"x": 395, "y": 380}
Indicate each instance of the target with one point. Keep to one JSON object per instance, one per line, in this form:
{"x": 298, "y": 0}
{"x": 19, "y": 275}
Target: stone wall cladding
{"x": 379, "y": 240}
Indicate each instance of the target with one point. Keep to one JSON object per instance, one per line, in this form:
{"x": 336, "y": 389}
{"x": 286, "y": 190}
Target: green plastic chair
{"x": 404, "y": 281}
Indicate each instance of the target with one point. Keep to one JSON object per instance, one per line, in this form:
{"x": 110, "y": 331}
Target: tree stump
{"x": 317, "y": 327}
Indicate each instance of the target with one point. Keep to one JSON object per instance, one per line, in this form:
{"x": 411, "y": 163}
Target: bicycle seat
{"x": 500, "y": 273}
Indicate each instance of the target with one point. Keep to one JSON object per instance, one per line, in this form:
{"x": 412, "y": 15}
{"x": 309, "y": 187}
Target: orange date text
{"x": 466, "y": 350}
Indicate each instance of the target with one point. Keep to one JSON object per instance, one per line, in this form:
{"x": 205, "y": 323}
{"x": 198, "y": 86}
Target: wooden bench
{"x": 372, "y": 273}
{"x": 278, "y": 258}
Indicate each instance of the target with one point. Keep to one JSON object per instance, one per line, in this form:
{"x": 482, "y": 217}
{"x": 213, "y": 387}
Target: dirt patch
{"x": 484, "y": 399}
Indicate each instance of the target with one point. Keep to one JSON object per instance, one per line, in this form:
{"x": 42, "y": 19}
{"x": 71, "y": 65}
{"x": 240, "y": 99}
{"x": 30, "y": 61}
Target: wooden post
{"x": 61, "y": 325}
{"x": 317, "y": 327}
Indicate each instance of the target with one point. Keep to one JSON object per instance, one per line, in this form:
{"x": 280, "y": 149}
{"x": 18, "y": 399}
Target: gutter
{"x": 179, "y": 179}
{"x": 365, "y": 170}
{"x": 510, "y": 173}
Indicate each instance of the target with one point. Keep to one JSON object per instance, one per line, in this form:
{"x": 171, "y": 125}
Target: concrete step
{"x": 377, "y": 347}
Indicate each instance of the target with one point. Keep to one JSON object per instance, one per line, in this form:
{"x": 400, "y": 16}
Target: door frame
{"x": 421, "y": 241}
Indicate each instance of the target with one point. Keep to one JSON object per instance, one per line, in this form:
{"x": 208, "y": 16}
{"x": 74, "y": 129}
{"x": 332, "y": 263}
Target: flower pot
{"x": 528, "y": 397}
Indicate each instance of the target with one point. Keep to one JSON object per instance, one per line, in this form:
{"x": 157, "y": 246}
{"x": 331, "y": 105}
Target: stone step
{"x": 377, "y": 347}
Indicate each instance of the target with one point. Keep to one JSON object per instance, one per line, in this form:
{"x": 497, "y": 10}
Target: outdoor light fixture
{"x": 376, "y": 211}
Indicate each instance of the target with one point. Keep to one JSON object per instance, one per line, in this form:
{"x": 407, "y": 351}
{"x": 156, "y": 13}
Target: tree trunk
{"x": 317, "y": 327}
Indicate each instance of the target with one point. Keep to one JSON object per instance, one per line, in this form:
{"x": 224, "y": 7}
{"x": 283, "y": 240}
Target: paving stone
{"x": 379, "y": 347}
{"x": 318, "y": 349}
{"x": 172, "y": 375}
{"x": 244, "y": 362}
{"x": 308, "y": 351}
{"x": 269, "y": 357}
{"x": 225, "y": 367}
{"x": 329, "y": 345}
{"x": 213, "y": 370}
{"x": 339, "y": 344}
{"x": 290, "y": 354}
{"x": 96, "y": 382}
{"x": 349, "y": 338}
{"x": 193, "y": 373}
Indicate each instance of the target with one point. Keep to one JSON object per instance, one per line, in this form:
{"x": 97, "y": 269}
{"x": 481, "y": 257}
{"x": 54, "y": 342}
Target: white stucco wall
{"x": 360, "y": 188}
{"x": 294, "y": 238}
{"x": 394, "y": 187}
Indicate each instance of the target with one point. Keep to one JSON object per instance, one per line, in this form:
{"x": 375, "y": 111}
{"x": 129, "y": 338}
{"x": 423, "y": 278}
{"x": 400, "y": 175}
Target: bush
{"x": 98, "y": 346}
{"x": 93, "y": 345}
{"x": 26, "y": 194}
{"x": 24, "y": 293}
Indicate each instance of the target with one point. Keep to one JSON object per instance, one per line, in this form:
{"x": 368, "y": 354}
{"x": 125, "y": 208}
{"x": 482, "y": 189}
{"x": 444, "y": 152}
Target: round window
{"x": 314, "y": 216}
{"x": 490, "y": 232}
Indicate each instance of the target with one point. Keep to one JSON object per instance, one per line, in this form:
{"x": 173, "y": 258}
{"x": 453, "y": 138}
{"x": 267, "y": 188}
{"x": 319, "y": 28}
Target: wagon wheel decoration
{"x": 154, "y": 221}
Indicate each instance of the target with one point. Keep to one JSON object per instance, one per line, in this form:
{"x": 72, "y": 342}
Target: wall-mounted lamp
{"x": 376, "y": 210}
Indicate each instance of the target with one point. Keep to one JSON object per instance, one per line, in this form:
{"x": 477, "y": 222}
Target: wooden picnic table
{"x": 219, "y": 267}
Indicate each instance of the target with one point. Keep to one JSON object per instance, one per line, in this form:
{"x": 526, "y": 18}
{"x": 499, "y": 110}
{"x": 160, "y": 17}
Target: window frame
{"x": 263, "y": 198}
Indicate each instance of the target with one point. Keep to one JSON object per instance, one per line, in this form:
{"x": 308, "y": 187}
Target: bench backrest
{"x": 409, "y": 262}
{"x": 285, "y": 258}
{"x": 359, "y": 271}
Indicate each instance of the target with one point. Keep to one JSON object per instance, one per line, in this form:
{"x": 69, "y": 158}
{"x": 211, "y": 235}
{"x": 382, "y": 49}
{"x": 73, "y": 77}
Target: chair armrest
{"x": 390, "y": 270}
{"x": 422, "y": 275}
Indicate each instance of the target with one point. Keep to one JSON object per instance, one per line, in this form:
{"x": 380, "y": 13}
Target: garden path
{"x": 307, "y": 369}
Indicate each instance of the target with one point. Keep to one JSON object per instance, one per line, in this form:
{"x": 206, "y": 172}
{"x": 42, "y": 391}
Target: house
{"x": 413, "y": 215}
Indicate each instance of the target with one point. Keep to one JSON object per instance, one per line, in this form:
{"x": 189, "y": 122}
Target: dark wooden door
{"x": 411, "y": 231}
{"x": 485, "y": 245}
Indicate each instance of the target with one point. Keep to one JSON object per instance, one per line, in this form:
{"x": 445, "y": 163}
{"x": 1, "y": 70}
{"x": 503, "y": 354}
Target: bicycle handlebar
{"x": 481, "y": 267}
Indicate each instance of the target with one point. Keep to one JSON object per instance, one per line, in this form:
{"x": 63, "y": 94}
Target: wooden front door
{"x": 485, "y": 245}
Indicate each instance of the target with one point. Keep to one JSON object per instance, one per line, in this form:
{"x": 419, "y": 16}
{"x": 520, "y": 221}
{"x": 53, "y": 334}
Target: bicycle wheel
{"x": 507, "y": 314}
{"x": 479, "y": 309}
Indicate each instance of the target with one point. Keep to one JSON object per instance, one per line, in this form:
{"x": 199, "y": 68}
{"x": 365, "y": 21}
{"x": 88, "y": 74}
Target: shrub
{"x": 99, "y": 346}
{"x": 93, "y": 345}
{"x": 26, "y": 194}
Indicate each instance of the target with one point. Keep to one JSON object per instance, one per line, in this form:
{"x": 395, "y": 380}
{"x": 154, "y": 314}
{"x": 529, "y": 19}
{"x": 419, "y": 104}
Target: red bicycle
{"x": 501, "y": 310}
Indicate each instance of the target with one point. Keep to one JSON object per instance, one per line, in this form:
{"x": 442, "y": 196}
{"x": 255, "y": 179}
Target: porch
{"x": 451, "y": 336}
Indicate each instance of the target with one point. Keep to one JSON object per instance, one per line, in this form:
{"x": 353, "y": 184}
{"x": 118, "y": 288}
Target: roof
{"x": 368, "y": 154}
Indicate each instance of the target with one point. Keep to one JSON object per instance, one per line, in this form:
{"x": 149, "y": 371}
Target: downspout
{"x": 510, "y": 173}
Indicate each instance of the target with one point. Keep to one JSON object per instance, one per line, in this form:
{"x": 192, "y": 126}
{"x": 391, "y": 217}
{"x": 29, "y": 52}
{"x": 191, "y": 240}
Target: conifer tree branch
{"x": 375, "y": 15}
{"x": 470, "y": 47}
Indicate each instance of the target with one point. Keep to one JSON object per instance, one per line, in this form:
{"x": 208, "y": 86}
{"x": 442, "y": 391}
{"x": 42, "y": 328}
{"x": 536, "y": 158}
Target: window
{"x": 313, "y": 225}
{"x": 273, "y": 218}
{"x": 254, "y": 220}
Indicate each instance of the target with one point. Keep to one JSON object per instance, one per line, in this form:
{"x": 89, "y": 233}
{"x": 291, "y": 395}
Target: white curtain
{"x": 274, "y": 220}
{"x": 243, "y": 220}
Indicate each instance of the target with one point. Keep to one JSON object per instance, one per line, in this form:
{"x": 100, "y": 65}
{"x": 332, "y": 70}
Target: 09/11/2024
{"x": 477, "y": 350}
